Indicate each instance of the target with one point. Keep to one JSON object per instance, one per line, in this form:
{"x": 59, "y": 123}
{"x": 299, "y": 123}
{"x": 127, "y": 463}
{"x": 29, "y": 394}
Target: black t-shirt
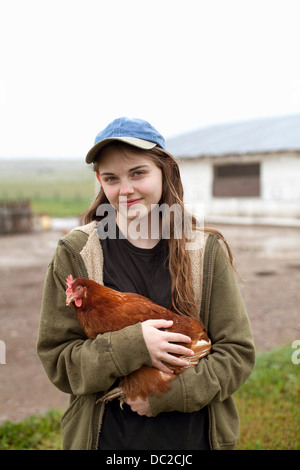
{"x": 145, "y": 271}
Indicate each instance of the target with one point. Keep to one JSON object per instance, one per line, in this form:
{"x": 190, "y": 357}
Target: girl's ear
{"x": 98, "y": 178}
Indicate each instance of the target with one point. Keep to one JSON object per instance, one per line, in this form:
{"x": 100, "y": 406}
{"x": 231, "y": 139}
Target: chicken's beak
{"x": 69, "y": 299}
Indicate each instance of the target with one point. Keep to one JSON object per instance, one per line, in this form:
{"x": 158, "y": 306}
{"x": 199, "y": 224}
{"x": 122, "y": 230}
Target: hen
{"x": 100, "y": 309}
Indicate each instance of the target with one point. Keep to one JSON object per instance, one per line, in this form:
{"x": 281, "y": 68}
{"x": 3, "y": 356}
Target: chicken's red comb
{"x": 70, "y": 281}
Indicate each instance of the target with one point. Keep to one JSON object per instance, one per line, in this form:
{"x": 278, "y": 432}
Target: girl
{"x": 125, "y": 248}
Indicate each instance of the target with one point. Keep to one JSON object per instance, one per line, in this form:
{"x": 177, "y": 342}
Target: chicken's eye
{"x": 78, "y": 289}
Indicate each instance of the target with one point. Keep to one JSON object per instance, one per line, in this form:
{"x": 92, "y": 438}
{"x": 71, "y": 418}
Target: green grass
{"x": 60, "y": 208}
{"x": 56, "y": 188}
{"x": 64, "y": 200}
{"x": 35, "y": 432}
{"x": 268, "y": 405}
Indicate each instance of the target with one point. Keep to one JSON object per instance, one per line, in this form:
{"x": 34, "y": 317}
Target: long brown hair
{"x": 172, "y": 193}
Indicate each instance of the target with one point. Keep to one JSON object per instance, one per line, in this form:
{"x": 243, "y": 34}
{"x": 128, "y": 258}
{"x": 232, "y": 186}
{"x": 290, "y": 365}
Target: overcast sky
{"x": 69, "y": 67}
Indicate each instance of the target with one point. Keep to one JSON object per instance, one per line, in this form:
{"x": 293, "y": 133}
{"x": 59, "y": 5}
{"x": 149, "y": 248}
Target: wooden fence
{"x": 15, "y": 217}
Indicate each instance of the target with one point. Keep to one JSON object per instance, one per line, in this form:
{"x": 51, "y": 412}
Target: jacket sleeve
{"x": 226, "y": 368}
{"x": 73, "y": 363}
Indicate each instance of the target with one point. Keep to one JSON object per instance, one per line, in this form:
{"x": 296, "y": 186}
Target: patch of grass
{"x": 56, "y": 188}
{"x": 268, "y": 405}
{"x": 55, "y": 200}
{"x": 35, "y": 432}
{"x": 57, "y": 207}
{"x": 60, "y": 208}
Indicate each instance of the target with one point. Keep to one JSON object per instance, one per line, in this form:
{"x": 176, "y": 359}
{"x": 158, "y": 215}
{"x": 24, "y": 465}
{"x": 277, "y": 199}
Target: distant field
{"x": 57, "y": 188}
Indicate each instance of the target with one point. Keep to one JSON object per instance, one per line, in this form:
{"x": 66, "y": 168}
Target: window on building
{"x": 237, "y": 180}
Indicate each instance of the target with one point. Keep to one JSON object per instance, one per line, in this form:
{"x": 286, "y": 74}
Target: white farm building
{"x": 243, "y": 172}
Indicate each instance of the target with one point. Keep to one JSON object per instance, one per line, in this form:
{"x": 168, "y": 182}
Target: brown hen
{"x": 100, "y": 309}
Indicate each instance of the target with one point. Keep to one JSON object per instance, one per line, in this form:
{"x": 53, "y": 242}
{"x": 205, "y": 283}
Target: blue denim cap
{"x": 136, "y": 132}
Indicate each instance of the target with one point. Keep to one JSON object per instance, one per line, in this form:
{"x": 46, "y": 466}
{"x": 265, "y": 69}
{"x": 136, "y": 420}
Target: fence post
{"x": 15, "y": 217}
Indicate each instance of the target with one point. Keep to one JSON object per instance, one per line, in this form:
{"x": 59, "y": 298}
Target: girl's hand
{"x": 161, "y": 344}
{"x": 140, "y": 406}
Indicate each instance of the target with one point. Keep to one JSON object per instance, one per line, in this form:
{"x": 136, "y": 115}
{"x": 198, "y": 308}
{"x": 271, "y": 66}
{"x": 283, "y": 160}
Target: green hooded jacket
{"x": 86, "y": 368}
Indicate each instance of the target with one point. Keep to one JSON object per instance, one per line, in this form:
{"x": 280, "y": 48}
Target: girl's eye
{"x": 78, "y": 288}
{"x": 110, "y": 179}
{"x": 114, "y": 179}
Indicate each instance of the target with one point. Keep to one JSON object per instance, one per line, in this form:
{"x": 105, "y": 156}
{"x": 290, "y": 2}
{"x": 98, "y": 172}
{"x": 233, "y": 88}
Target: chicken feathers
{"x": 100, "y": 309}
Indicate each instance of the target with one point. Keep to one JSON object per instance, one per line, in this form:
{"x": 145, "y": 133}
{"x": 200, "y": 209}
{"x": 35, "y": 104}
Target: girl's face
{"x": 130, "y": 182}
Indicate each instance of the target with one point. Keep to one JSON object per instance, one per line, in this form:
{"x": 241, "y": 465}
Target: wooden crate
{"x": 15, "y": 217}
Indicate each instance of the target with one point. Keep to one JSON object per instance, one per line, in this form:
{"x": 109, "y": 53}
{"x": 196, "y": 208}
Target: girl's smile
{"x": 130, "y": 202}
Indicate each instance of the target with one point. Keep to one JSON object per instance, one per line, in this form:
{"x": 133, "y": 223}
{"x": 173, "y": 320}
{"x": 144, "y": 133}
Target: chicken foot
{"x": 116, "y": 392}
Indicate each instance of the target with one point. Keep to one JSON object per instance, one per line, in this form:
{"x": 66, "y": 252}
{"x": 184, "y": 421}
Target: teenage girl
{"x": 128, "y": 251}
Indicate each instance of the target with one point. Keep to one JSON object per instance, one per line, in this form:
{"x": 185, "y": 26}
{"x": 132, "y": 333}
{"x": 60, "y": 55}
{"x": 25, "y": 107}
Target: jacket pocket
{"x": 75, "y": 422}
{"x": 73, "y": 408}
{"x": 225, "y": 424}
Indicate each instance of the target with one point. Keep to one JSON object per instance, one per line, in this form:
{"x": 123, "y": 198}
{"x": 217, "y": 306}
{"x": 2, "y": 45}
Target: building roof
{"x": 256, "y": 136}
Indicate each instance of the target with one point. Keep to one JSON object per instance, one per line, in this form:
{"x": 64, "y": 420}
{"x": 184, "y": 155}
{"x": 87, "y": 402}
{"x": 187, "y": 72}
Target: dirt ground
{"x": 267, "y": 259}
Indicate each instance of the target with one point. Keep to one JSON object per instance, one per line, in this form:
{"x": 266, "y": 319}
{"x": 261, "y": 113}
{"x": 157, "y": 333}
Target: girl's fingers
{"x": 181, "y": 350}
{"x": 163, "y": 368}
{"x": 176, "y": 337}
{"x": 176, "y": 361}
{"x": 170, "y": 336}
{"x": 161, "y": 345}
{"x": 171, "y": 361}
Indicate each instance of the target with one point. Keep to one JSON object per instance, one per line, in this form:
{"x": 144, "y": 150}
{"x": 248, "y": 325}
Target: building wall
{"x": 197, "y": 179}
{"x": 279, "y": 186}
{"x": 281, "y": 178}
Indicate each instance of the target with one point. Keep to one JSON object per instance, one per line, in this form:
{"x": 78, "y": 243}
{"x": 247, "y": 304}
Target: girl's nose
{"x": 126, "y": 188}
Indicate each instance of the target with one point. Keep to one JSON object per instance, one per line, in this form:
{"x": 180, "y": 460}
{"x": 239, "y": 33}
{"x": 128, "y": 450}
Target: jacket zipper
{"x": 100, "y": 421}
{"x": 208, "y": 286}
{"x": 91, "y": 431}
{"x": 209, "y": 428}
{"x": 75, "y": 255}
{"x": 90, "y": 438}
{"x": 207, "y": 299}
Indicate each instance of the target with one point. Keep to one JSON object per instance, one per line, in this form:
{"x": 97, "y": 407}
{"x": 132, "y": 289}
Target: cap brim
{"x": 140, "y": 143}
